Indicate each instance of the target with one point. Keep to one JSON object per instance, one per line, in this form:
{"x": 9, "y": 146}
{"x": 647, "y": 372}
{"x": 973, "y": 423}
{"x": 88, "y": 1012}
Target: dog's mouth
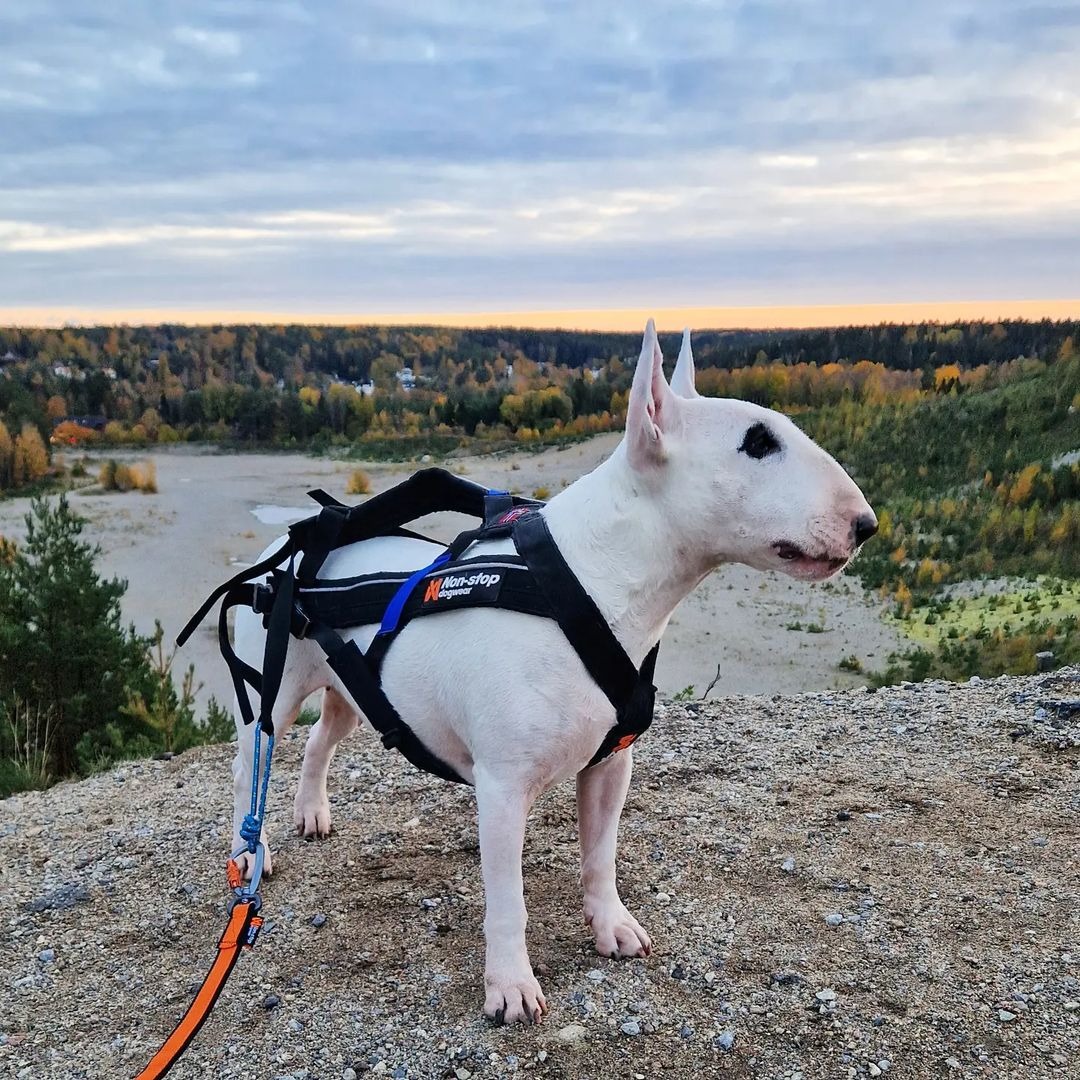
{"x": 804, "y": 565}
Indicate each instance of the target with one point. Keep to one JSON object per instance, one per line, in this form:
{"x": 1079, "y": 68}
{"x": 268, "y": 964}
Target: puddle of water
{"x": 279, "y": 515}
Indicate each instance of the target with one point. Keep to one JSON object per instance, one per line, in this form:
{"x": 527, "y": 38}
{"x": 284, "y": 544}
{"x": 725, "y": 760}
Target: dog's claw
{"x": 617, "y": 933}
{"x": 514, "y": 999}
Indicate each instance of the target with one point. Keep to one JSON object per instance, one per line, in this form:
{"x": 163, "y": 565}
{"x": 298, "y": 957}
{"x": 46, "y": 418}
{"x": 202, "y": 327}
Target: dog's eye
{"x": 759, "y": 442}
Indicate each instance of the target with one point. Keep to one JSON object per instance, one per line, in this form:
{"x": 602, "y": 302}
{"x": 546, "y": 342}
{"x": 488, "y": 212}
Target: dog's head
{"x": 747, "y": 484}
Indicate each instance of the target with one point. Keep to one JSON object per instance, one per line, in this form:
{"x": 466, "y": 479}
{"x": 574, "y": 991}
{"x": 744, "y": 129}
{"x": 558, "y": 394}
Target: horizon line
{"x": 595, "y": 320}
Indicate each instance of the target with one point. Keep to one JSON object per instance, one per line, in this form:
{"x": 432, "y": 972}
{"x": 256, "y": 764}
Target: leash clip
{"x": 245, "y": 891}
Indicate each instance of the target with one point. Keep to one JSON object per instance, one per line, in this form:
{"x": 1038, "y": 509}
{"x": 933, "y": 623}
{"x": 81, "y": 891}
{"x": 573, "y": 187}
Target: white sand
{"x": 175, "y": 547}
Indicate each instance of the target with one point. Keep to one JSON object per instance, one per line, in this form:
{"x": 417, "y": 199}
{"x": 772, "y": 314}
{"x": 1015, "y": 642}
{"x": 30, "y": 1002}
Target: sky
{"x": 443, "y": 157}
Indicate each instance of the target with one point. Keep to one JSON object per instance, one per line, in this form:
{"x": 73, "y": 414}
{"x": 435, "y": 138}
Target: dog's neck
{"x": 625, "y": 545}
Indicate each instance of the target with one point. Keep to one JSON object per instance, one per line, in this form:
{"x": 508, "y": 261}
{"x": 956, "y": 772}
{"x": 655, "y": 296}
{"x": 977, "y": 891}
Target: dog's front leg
{"x": 511, "y": 992}
{"x": 601, "y": 792}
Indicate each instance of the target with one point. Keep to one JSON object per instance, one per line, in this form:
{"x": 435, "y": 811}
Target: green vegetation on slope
{"x": 79, "y": 690}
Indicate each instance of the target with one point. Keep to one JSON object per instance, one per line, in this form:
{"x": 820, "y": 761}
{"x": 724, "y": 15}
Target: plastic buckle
{"x": 392, "y": 739}
{"x": 262, "y": 599}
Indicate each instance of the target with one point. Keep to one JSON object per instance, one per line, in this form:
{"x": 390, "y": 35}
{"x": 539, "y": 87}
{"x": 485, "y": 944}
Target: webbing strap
{"x": 631, "y": 691}
{"x": 260, "y": 569}
{"x": 576, "y": 613}
{"x": 243, "y": 925}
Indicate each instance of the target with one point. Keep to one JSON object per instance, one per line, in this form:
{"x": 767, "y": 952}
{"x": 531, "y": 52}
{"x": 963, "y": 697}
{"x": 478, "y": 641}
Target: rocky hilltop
{"x": 838, "y": 885}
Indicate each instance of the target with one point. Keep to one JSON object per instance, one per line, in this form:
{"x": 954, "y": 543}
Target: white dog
{"x": 505, "y": 700}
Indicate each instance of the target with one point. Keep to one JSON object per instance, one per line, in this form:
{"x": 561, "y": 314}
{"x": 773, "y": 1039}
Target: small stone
{"x": 318, "y": 920}
{"x": 596, "y": 975}
{"x": 677, "y": 972}
{"x": 872, "y": 1069}
{"x": 571, "y": 1033}
{"x": 380, "y": 1068}
{"x": 1072, "y": 1006}
{"x": 826, "y": 995}
{"x": 952, "y": 1063}
{"x": 788, "y": 865}
{"x": 884, "y": 1064}
{"x": 541, "y": 1056}
{"x": 843, "y": 815}
{"x": 725, "y": 1040}
{"x": 834, "y": 919}
{"x": 295, "y": 1026}
{"x": 1005, "y": 1016}
{"x": 349, "y": 1074}
{"x": 686, "y": 1032}
{"x": 662, "y": 898}
{"x": 46, "y": 956}
{"x": 630, "y": 1027}
{"x": 271, "y": 1001}
{"x": 431, "y": 902}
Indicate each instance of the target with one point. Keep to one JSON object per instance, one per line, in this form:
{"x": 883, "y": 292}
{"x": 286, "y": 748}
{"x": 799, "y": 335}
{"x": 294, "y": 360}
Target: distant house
{"x": 61, "y": 371}
{"x": 406, "y": 379}
{"x": 109, "y": 373}
{"x": 10, "y": 358}
{"x": 365, "y": 388}
{"x": 94, "y": 423}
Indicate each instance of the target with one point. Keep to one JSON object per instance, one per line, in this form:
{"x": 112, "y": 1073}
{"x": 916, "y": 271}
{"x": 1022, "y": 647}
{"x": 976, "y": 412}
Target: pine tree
{"x": 63, "y": 649}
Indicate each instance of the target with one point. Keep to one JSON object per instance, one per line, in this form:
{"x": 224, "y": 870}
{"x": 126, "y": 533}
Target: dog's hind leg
{"x": 601, "y": 792}
{"x": 286, "y": 707}
{"x": 311, "y": 812}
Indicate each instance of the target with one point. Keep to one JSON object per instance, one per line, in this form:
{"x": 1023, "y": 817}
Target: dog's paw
{"x": 617, "y": 933}
{"x": 311, "y": 816}
{"x": 246, "y": 862}
{"x": 513, "y": 998}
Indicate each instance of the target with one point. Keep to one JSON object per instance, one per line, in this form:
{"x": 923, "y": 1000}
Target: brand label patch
{"x": 513, "y": 515}
{"x": 477, "y": 586}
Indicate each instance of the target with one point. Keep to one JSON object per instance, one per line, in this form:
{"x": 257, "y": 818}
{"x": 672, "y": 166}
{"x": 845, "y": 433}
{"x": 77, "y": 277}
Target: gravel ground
{"x": 839, "y": 885}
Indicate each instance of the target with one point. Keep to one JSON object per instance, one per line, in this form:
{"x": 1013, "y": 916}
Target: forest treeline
{"x": 429, "y": 388}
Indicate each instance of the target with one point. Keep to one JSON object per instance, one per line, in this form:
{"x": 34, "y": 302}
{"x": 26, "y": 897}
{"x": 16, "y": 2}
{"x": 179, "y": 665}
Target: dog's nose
{"x": 865, "y": 527}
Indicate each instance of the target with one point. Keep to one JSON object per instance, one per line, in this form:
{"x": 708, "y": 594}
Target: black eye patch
{"x": 759, "y": 442}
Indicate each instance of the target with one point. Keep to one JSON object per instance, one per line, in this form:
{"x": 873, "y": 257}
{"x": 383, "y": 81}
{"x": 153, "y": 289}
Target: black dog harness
{"x": 296, "y": 602}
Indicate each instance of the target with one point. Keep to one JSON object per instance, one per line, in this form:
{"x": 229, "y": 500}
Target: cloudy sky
{"x": 457, "y": 155}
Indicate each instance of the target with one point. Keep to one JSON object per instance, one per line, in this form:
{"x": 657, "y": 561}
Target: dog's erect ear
{"x": 682, "y": 378}
{"x": 651, "y": 410}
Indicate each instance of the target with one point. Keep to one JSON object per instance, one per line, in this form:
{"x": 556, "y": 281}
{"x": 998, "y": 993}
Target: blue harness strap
{"x": 392, "y": 616}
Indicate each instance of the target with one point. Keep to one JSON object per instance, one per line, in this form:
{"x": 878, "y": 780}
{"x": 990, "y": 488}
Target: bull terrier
{"x": 505, "y": 700}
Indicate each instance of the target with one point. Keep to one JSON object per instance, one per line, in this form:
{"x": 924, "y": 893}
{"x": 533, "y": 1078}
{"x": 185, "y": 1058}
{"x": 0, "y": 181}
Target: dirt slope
{"x": 938, "y": 825}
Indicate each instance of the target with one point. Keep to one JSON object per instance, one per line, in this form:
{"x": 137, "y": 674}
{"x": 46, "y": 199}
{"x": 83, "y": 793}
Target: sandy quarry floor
{"x": 840, "y": 885}
{"x": 175, "y": 547}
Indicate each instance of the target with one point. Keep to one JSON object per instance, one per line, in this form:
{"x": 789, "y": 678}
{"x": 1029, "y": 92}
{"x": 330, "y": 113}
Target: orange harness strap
{"x": 242, "y": 928}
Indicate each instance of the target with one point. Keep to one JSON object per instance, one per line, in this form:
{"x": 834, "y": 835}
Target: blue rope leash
{"x": 251, "y": 829}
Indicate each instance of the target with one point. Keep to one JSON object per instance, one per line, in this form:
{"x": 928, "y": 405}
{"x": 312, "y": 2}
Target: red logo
{"x": 433, "y": 588}
{"x": 513, "y": 515}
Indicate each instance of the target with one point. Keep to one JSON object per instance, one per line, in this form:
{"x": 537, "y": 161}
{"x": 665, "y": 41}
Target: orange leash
{"x": 242, "y": 929}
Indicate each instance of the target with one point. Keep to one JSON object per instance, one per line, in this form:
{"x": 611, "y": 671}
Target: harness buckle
{"x": 262, "y": 599}
{"x": 392, "y": 739}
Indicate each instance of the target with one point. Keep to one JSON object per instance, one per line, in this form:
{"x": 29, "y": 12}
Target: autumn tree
{"x": 7, "y": 457}
{"x": 31, "y": 459}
